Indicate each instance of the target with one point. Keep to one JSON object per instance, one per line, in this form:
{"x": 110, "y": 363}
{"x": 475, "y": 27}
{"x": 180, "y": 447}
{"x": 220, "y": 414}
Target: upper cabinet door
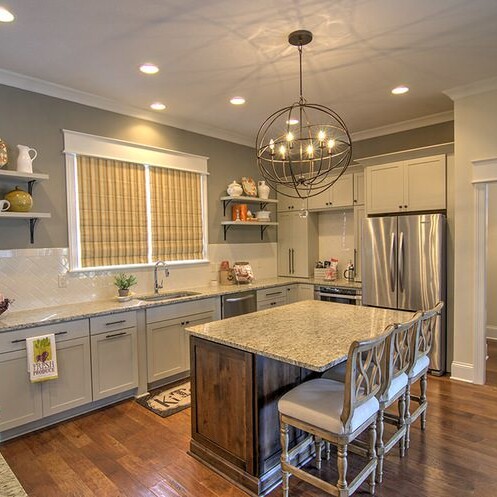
{"x": 385, "y": 188}
{"x": 359, "y": 189}
{"x": 424, "y": 183}
{"x": 321, "y": 201}
{"x": 287, "y": 203}
{"x": 342, "y": 192}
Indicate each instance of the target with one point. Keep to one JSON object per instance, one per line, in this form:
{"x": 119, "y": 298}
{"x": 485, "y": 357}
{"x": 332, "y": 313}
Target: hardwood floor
{"x": 126, "y": 450}
{"x": 492, "y": 363}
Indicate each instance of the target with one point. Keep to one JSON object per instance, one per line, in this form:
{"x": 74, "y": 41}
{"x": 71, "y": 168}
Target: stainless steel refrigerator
{"x": 403, "y": 267}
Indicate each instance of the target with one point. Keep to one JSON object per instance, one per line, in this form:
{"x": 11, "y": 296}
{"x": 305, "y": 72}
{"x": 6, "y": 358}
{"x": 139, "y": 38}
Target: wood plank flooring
{"x": 127, "y": 451}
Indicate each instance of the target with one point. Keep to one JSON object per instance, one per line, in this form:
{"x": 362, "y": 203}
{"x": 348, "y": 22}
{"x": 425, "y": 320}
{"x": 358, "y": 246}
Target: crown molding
{"x": 43, "y": 87}
{"x": 475, "y": 88}
{"x": 418, "y": 122}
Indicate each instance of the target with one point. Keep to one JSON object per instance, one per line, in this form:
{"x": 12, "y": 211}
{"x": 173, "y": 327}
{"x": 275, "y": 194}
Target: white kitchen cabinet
{"x": 341, "y": 194}
{"x": 359, "y": 215}
{"x": 292, "y": 294}
{"x": 168, "y": 345}
{"x": 297, "y": 244}
{"x": 359, "y": 195}
{"x": 305, "y": 292}
{"x": 114, "y": 361}
{"x": 272, "y": 297}
{"x": 73, "y": 386}
{"x": 20, "y": 400}
{"x": 286, "y": 204}
{"x": 406, "y": 186}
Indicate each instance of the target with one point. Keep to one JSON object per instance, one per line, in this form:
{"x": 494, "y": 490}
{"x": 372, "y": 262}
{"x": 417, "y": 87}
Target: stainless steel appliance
{"x": 403, "y": 267}
{"x": 339, "y": 295}
{"x": 239, "y": 303}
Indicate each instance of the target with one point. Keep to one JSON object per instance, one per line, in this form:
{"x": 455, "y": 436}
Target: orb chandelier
{"x": 304, "y": 148}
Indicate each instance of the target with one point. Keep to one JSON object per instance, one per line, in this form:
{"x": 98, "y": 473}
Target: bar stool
{"x": 398, "y": 359}
{"x": 418, "y": 369}
{"x": 338, "y": 413}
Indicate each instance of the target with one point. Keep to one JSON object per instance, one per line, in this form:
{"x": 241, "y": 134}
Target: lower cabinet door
{"x": 20, "y": 400}
{"x": 194, "y": 321}
{"x": 73, "y": 386}
{"x": 165, "y": 349}
{"x": 114, "y": 362}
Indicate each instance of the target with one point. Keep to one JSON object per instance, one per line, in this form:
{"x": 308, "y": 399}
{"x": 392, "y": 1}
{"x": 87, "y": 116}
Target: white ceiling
{"x": 211, "y": 50}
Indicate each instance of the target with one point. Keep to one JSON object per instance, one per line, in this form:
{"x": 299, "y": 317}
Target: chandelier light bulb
{"x": 331, "y": 144}
{"x": 271, "y": 145}
{"x": 282, "y": 151}
{"x": 289, "y": 136}
{"x": 321, "y": 136}
{"x": 310, "y": 150}
{"x": 292, "y": 122}
{"x": 6, "y": 15}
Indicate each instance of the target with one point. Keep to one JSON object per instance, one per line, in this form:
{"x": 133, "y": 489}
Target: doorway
{"x": 491, "y": 265}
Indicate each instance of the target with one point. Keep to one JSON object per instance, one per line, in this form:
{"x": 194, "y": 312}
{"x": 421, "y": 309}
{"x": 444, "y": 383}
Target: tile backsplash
{"x": 40, "y": 278}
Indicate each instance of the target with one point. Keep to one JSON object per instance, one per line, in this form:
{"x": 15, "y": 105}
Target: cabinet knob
{"x": 355, "y": 201}
{"x": 400, "y": 207}
{"x": 405, "y": 206}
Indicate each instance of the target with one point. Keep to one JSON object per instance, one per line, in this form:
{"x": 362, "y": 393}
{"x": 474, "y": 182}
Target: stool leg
{"x": 318, "y": 445}
{"x": 342, "y": 469}
{"x": 285, "y": 475}
{"x": 401, "y": 424}
{"x": 422, "y": 399}
{"x": 380, "y": 447}
{"x": 408, "y": 416}
{"x": 372, "y": 456}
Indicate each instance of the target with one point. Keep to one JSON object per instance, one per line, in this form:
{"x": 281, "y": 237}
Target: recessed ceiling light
{"x": 400, "y": 90}
{"x": 291, "y": 122}
{"x": 5, "y": 15}
{"x": 237, "y": 100}
{"x": 157, "y": 106}
{"x": 149, "y": 68}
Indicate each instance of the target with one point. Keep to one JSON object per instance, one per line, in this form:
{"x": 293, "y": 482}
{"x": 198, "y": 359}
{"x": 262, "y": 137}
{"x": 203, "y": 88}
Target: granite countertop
{"x": 15, "y": 320}
{"x": 311, "y": 334}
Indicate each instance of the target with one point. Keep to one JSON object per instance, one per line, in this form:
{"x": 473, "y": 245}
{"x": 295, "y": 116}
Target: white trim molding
{"x": 55, "y": 90}
{"x": 475, "y": 88}
{"x": 418, "y": 122}
{"x": 462, "y": 371}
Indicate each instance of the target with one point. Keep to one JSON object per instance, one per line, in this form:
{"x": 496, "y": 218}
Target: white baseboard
{"x": 462, "y": 371}
{"x": 491, "y": 332}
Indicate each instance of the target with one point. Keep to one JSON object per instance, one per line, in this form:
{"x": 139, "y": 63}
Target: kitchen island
{"x": 241, "y": 366}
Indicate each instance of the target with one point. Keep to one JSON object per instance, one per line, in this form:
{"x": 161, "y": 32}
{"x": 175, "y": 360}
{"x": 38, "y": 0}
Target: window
{"x": 126, "y": 210}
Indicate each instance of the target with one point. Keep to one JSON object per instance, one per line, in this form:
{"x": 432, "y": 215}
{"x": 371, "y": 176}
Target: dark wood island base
{"x": 235, "y": 427}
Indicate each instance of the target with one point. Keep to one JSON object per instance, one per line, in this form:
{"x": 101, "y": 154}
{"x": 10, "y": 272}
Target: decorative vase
{"x": 234, "y": 189}
{"x": 262, "y": 190}
{"x": 20, "y": 201}
{"x": 25, "y": 160}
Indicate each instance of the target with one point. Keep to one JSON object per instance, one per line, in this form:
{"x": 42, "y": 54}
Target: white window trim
{"x": 76, "y": 143}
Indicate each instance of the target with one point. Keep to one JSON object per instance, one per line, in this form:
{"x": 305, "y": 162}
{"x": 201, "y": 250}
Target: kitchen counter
{"x": 311, "y": 334}
{"x": 12, "y": 320}
{"x": 241, "y": 366}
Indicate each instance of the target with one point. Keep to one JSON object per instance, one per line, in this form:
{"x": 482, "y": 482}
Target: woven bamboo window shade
{"x": 176, "y": 215}
{"x": 112, "y": 212}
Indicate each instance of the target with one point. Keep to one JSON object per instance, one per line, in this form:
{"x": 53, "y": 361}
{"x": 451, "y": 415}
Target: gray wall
{"x": 37, "y": 120}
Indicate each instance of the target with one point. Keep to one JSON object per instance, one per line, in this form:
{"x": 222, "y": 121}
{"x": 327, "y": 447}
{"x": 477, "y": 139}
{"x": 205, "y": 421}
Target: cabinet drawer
{"x": 16, "y": 340}
{"x": 173, "y": 311}
{"x": 271, "y": 293}
{"x": 110, "y": 322}
{"x": 270, "y": 303}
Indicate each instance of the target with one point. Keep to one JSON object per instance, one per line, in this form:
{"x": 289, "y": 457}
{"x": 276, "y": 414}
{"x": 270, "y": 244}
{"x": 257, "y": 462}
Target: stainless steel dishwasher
{"x": 239, "y": 303}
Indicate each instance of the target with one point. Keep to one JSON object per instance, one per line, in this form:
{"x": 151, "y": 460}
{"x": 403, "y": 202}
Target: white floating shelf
{"x": 25, "y": 215}
{"x": 249, "y": 223}
{"x": 24, "y": 176}
{"x": 256, "y": 200}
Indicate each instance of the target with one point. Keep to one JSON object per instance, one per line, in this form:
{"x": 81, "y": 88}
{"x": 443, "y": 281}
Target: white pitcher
{"x": 263, "y": 190}
{"x": 25, "y": 160}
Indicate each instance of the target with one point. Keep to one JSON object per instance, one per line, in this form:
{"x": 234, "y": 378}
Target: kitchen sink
{"x": 166, "y": 296}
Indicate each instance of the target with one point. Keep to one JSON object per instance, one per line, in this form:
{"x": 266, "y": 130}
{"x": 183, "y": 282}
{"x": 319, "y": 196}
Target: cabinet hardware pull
{"x": 239, "y": 299}
{"x": 115, "y": 322}
{"x": 116, "y": 335}
{"x": 23, "y": 339}
{"x": 274, "y": 293}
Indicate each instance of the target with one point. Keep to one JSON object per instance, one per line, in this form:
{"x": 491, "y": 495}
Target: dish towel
{"x": 42, "y": 358}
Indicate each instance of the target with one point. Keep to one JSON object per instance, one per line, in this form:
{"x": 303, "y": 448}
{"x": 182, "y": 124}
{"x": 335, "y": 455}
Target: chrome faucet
{"x": 157, "y": 285}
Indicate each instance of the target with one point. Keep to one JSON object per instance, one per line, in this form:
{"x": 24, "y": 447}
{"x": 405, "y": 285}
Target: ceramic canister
{"x": 20, "y": 201}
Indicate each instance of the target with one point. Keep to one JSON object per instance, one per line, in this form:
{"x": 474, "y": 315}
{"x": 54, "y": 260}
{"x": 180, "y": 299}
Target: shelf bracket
{"x": 263, "y": 229}
{"x": 225, "y": 204}
{"x": 30, "y": 187}
{"x": 226, "y": 227}
{"x": 32, "y": 224}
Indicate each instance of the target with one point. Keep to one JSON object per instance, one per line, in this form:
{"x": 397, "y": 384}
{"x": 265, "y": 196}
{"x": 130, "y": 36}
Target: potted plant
{"x": 123, "y": 283}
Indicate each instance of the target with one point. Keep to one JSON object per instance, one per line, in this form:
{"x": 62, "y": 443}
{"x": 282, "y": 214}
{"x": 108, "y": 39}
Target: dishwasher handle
{"x": 240, "y": 299}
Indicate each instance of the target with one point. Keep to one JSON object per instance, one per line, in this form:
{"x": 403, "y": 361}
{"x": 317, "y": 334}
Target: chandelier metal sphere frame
{"x": 303, "y": 149}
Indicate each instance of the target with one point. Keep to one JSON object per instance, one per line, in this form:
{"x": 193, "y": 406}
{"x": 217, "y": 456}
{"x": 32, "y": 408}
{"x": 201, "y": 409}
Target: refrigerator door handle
{"x": 401, "y": 261}
{"x": 392, "y": 262}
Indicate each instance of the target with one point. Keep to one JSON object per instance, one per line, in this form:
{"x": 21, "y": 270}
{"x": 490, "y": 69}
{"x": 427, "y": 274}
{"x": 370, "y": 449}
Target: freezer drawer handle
{"x": 401, "y": 261}
{"x": 239, "y": 299}
{"x": 392, "y": 262}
